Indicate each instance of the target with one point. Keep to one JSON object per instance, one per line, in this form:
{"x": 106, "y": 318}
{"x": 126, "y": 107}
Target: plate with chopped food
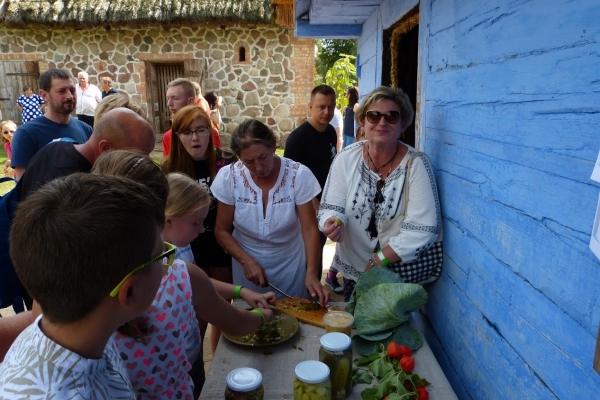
{"x": 283, "y": 327}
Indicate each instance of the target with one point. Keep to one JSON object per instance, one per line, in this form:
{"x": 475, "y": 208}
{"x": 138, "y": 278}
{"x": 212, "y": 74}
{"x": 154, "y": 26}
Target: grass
{"x": 279, "y": 151}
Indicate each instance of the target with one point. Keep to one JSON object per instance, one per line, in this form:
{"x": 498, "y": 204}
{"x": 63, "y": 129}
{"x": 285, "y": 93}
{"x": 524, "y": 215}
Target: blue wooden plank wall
{"x": 510, "y": 97}
{"x": 511, "y": 119}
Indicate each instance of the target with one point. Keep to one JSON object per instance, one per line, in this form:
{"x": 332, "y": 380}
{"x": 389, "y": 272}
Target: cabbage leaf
{"x": 387, "y": 305}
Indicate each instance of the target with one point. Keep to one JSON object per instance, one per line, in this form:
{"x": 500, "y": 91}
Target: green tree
{"x": 328, "y": 52}
{"x": 341, "y": 75}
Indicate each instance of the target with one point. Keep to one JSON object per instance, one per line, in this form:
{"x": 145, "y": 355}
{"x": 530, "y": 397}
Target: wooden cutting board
{"x": 313, "y": 317}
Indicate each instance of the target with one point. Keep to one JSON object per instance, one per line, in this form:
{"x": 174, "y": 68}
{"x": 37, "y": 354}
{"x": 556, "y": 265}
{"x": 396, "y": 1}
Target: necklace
{"x": 390, "y": 160}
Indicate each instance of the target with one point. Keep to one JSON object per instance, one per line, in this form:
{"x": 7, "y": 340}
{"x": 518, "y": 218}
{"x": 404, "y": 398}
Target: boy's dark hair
{"x": 46, "y": 78}
{"x": 27, "y": 87}
{"x": 325, "y": 90}
{"x": 75, "y": 238}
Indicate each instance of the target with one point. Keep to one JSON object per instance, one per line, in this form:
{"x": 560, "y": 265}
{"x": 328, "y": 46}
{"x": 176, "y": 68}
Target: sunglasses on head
{"x": 391, "y": 117}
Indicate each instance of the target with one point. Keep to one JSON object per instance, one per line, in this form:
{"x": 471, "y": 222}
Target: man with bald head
{"x": 119, "y": 128}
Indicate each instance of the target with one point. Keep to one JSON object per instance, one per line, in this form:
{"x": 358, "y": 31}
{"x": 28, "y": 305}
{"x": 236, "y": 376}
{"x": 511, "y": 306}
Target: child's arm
{"x": 213, "y": 308}
{"x": 251, "y": 297}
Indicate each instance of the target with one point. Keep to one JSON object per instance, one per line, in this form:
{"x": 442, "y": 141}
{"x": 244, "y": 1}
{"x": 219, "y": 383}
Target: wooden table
{"x": 278, "y": 368}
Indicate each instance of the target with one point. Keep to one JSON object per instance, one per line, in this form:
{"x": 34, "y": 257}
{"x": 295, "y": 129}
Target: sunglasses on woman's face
{"x": 391, "y": 117}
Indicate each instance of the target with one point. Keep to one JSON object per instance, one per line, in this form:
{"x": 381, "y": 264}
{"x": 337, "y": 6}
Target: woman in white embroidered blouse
{"x": 269, "y": 201}
{"x": 361, "y": 198}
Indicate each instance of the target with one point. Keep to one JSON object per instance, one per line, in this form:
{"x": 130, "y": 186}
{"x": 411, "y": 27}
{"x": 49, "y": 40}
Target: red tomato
{"x": 394, "y": 350}
{"x": 423, "y": 393}
{"x": 407, "y": 364}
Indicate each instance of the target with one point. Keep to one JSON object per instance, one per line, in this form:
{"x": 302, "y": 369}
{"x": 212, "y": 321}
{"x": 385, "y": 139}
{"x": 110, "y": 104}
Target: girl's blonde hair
{"x": 5, "y": 122}
{"x": 185, "y": 196}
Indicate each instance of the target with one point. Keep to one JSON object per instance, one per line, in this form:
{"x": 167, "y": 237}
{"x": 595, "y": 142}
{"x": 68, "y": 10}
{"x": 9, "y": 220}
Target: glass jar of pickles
{"x": 312, "y": 381}
{"x": 244, "y": 384}
{"x": 336, "y": 353}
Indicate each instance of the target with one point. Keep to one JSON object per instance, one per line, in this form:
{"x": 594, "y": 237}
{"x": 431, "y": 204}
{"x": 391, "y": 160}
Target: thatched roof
{"x": 138, "y": 12}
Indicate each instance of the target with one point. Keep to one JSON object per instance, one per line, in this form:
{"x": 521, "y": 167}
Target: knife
{"x": 279, "y": 290}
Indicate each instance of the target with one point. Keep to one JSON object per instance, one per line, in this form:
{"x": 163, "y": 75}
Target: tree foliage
{"x": 328, "y": 52}
{"x": 341, "y": 75}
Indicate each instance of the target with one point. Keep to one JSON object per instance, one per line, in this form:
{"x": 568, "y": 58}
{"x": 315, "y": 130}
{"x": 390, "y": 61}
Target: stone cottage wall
{"x": 272, "y": 84}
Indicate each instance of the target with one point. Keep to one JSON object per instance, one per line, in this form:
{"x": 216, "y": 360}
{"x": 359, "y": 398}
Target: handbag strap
{"x": 405, "y": 190}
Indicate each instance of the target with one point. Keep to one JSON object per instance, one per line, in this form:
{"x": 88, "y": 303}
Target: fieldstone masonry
{"x": 272, "y": 83}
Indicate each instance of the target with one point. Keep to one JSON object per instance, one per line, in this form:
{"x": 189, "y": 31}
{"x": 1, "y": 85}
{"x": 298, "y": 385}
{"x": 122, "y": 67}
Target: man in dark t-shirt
{"x": 119, "y": 128}
{"x": 58, "y": 90}
{"x": 314, "y": 142}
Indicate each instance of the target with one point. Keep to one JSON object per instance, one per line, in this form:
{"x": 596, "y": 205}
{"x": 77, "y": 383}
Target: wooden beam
{"x": 305, "y": 30}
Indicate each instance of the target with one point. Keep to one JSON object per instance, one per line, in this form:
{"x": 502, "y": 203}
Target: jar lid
{"x": 335, "y": 341}
{"x": 312, "y": 371}
{"x": 244, "y": 379}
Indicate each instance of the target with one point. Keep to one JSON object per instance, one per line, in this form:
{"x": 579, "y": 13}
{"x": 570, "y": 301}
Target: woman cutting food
{"x": 361, "y": 203}
{"x": 268, "y": 200}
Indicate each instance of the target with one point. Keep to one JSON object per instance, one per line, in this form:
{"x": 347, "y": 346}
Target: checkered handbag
{"x": 428, "y": 265}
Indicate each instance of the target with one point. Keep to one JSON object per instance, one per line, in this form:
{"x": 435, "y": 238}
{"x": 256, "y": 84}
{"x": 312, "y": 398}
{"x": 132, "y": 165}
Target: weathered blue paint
{"x": 305, "y": 29}
{"x": 510, "y": 115}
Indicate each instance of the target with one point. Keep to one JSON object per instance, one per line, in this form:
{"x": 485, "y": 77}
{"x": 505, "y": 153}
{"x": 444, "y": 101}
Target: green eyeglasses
{"x": 168, "y": 256}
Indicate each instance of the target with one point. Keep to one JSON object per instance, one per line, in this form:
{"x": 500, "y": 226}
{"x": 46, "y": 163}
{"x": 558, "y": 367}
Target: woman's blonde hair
{"x": 185, "y": 196}
{"x": 135, "y": 165}
{"x": 387, "y": 93}
{"x": 116, "y": 101}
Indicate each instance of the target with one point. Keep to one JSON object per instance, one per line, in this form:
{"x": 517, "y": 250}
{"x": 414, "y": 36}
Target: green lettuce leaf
{"x": 374, "y": 277}
{"x": 364, "y": 346}
{"x": 378, "y": 336}
{"x": 408, "y": 336}
{"x": 387, "y": 305}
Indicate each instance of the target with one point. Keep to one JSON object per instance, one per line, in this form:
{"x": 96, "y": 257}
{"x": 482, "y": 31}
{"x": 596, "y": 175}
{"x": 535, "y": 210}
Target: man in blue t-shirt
{"x": 57, "y": 88}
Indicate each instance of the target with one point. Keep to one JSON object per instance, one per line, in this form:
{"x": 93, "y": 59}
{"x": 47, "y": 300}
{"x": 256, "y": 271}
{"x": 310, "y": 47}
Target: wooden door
{"x": 165, "y": 73}
{"x": 13, "y": 76}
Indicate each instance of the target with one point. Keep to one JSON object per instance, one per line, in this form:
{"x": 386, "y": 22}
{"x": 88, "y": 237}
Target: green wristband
{"x": 384, "y": 260}
{"x": 257, "y": 311}
{"x": 237, "y": 292}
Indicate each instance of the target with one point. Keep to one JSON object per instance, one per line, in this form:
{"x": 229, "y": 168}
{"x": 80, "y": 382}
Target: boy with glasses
{"x": 88, "y": 249}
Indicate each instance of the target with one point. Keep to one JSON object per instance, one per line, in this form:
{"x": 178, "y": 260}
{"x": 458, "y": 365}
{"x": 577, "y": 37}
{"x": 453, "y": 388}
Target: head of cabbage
{"x": 381, "y": 304}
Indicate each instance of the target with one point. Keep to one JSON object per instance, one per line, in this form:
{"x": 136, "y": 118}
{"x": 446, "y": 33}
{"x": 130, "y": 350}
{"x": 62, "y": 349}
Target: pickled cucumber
{"x": 338, "y": 221}
{"x": 341, "y": 379}
{"x": 340, "y": 365}
{"x": 310, "y": 391}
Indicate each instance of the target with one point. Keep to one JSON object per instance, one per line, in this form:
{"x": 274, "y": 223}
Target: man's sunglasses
{"x": 167, "y": 257}
{"x": 391, "y": 117}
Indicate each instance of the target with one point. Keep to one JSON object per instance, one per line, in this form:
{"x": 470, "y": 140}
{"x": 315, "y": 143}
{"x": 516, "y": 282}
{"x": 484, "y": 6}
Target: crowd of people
{"x": 124, "y": 259}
